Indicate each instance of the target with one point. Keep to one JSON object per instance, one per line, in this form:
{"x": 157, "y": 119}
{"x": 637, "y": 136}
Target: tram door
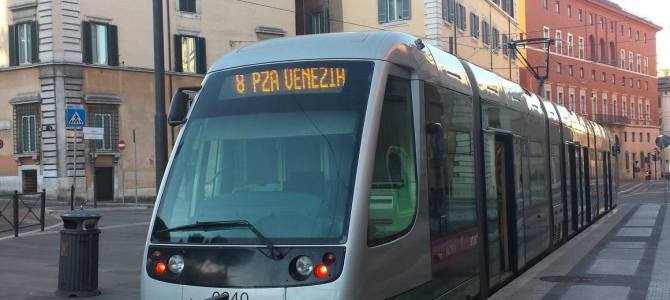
{"x": 606, "y": 183}
{"x": 580, "y": 186}
{"x": 505, "y": 256}
{"x": 573, "y": 189}
{"x": 587, "y": 185}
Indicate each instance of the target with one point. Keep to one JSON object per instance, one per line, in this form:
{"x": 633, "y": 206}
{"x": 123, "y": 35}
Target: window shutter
{"x": 34, "y": 43}
{"x": 201, "y": 56}
{"x": 86, "y": 42}
{"x": 382, "y": 11}
{"x": 406, "y": 9}
{"x": 177, "y": 54}
{"x": 112, "y": 45}
{"x": 13, "y": 46}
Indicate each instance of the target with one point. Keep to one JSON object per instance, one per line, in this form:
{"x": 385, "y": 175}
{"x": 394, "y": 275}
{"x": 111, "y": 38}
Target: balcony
{"x": 605, "y": 119}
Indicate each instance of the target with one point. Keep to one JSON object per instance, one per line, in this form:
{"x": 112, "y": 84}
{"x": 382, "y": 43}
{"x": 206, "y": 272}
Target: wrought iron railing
{"x": 27, "y": 210}
{"x": 612, "y": 119}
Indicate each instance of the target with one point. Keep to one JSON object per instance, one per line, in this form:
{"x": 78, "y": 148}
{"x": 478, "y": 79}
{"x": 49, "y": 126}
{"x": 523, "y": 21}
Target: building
{"x": 474, "y": 30}
{"x": 664, "y": 104}
{"x": 602, "y": 65}
{"x": 98, "y": 55}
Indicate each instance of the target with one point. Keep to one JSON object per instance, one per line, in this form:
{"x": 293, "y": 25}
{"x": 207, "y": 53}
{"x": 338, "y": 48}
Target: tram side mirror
{"x": 180, "y": 104}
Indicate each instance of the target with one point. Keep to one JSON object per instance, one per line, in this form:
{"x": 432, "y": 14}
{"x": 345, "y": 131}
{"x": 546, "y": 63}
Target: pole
{"x": 160, "y": 120}
{"x": 74, "y": 171}
{"x": 15, "y": 213}
{"x": 42, "y": 207}
{"x": 135, "y": 164}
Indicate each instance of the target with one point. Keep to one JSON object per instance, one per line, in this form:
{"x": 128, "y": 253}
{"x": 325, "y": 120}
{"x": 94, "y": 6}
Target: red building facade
{"x": 602, "y": 65}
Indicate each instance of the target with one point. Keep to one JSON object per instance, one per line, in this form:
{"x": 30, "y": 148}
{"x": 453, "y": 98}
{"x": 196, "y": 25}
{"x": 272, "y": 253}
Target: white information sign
{"x": 94, "y": 133}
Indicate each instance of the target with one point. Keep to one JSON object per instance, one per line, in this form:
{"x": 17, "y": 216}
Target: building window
{"x": 582, "y": 104}
{"x": 632, "y": 137}
{"x": 637, "y": 35}
{"x": 639, "y": 63}
{"x": 648, "y": 137}
{"x": 623, "y": 80}
{"x": 460, "y": 16}
{"x": 579, "y": 14}
{"x": 495, "y": 35}
{"x": 505, "y": 47}
{"x": 559, "y": 68}
{"x": 602, "y": 23}
{"x": 639, "y": 84}
{"x": 559, "y": 42}
{"x": 621, "y": 29}
{"x": 641, "y": 141}
{"x": 613, "y": 79}
{"x": 26, "y": 127}
{"x": 569, "y": 11}
{"x": 560, "y": 98}
{"x": 630, "y": 81}
{"x": 614, "y": 110}
{"x": 547, "y": 95}
{"x": 558, "y": 6}
{"x": 623, "y": 58}
{"x": 448, "y": 10}
{"x": 545, "y": 4}
{"x": 581, "y": 47}
{"x": 624, "y": 109}
{"x": 100, "y": 44}
{"x": 570, "y": 70}
{"x": 570, "y": 45}
{"x": 630, "y": 32}
{"x": 603, "y": 77}
{"x": 640, "y": 113}
{"x": 393, "y": 10}
{"x": 593, "y": 74}
{"x": 106, "y": 117}
{"x": 571, "y": 103}
{"x": 594, "y": 105}
{"x": 545, "y": 35}
{"x": 646, "y": 65}
{"x": 188, "y": 6}
{"x": 474, "y": 25}
{"x": 646, "y": 85}
{"x": 590, "y": 19}
{"x": 318, "y": 22}
{"x": 611, "y": 26}
{"x": 604, "y": 111}
{"x": 190, "y": 54}
{"x": 23, "y": 44}
{"x": 645, "y": 38}
{"x": 581, "y": 73}
{"x": 486, "y": 38}
{"x": 630, "y": 60}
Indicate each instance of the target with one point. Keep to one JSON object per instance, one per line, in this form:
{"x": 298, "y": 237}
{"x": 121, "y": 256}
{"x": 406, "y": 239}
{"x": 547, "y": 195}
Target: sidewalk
{"x": 625, "y": 255}
{"x": 30, "y": 262}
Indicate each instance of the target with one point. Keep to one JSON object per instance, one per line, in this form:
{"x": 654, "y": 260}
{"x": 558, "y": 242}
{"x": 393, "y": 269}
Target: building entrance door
{"x": 104, "y": 183}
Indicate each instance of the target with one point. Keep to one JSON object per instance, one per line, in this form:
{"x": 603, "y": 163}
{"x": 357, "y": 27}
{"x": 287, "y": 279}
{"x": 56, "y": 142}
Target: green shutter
{"x": 382, "y": 11}
{"x": 178, "y": 65}
{"x": 86, "y": 46}
{"x": 13, "y": 46}
{"x": 201, "y": 56}
{"x": 34, "y": 43}
{"x": 33, "y": 133}
{"x": 107, "y": 133}
{"x": 406, "y": 9}
{"x": 112, "y": 45}
{"x": 97, "y": 122}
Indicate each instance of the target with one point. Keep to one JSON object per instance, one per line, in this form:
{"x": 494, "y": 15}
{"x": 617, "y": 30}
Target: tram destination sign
{"x": 289, "y": 80}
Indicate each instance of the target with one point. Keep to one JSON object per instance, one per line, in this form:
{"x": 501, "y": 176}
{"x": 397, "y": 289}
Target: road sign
{"x": 122, "y": 145}
{"x": 94, "y": 133}
{"x": 662, "y": 141}
{"x": 75, "y": 117}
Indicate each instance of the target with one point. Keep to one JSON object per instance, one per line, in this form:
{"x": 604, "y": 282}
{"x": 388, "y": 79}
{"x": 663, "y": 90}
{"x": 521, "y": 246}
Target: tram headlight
{"x": 304, "y": 266}
{"x": 176, "y": 264}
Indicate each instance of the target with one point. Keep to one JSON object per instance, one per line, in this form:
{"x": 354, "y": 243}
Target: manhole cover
{"x": 567, "y": 279}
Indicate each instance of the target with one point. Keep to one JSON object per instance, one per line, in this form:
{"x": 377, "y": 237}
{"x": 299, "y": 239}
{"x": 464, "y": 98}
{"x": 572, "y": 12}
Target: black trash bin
{"x": 78, "y": 262}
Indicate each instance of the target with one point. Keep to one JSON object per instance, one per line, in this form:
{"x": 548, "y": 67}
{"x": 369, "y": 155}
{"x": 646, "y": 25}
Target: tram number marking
{"x": 228, "y": 296}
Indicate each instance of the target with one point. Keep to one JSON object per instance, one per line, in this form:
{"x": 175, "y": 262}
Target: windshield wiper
{"x": 216, "y": 225}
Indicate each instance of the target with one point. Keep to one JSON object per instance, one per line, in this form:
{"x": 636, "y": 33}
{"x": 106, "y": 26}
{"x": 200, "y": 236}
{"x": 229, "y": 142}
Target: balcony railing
{"x": 612, "y": 119}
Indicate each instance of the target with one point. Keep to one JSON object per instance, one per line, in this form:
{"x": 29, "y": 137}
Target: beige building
{"x": 98, "y": 55}
{"x": 476, "y": 30}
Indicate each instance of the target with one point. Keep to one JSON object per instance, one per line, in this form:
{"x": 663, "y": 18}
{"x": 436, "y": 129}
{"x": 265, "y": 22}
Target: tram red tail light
{"x": 160, "y": 267}
{"x": 329, "y": 258}
{"x": 321, "y": 271}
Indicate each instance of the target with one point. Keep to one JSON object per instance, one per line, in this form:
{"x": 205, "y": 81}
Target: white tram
{"x": 366, "y": 166}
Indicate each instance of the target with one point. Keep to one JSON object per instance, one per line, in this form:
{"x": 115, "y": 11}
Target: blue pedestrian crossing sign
{"x": 75, "y": 117}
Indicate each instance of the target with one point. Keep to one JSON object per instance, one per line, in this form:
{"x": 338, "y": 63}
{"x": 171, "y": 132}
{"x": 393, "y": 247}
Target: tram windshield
{"x": 275, "y": 146}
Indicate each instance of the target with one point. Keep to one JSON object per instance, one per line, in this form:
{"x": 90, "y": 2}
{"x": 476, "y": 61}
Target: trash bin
{"x": 78, "y": 262}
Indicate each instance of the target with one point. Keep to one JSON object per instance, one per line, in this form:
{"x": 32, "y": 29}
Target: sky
{"x": 657, "y": 11}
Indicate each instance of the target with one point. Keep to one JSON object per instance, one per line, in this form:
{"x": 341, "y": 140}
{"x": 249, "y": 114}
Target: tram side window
{"x": 393, "y": 190}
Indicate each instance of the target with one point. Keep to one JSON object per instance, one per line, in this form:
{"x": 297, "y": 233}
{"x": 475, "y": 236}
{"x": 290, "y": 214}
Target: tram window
{"x": 393, "y": 190}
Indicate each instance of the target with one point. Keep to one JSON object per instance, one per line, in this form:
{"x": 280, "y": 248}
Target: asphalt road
{"x": 29, "y": 264}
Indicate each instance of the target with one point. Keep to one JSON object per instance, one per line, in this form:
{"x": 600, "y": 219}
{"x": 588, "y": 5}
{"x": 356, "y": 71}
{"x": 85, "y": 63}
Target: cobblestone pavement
{"x": 624, "y": 255}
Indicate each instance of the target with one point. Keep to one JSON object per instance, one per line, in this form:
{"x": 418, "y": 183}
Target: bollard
{"x": 79, "y": 250}
{"x": 43, "y": 197}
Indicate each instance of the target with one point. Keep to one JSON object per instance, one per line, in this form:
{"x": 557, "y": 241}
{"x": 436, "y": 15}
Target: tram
{"x": 366, "y": 166}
